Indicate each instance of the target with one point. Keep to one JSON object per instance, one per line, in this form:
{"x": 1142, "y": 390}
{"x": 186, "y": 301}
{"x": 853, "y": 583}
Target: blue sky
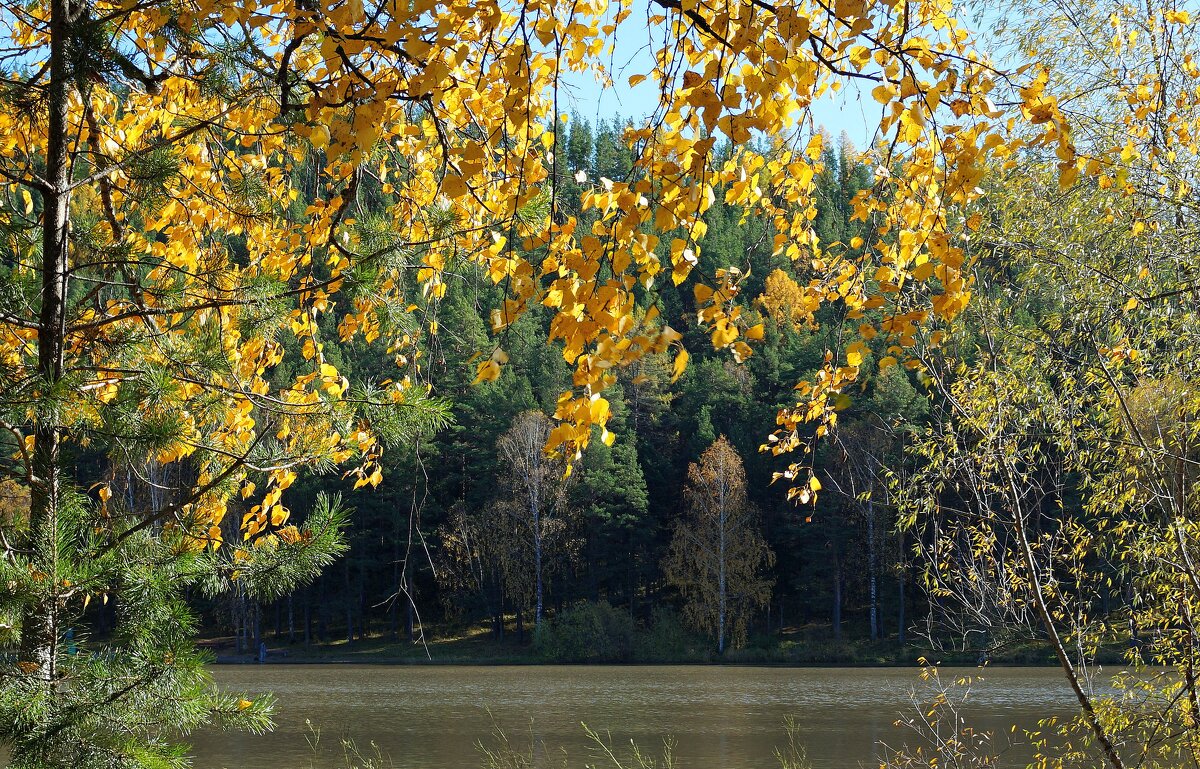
{"x": 851, "y": 111}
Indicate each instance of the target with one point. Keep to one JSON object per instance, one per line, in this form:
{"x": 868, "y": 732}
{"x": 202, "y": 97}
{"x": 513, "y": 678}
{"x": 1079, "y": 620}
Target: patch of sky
{"x": 850, "y": 110}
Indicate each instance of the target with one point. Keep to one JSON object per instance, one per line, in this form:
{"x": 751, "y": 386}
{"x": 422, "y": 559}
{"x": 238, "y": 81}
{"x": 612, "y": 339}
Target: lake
{"x": 434, "y": 717}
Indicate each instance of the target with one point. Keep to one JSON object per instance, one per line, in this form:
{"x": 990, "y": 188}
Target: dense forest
{"x": 449, "y": 542}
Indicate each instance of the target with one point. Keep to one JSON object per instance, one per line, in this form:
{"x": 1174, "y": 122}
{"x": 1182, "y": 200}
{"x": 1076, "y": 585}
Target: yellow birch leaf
{"x": 855, "y": 353}
{"x": 681, "y": 362}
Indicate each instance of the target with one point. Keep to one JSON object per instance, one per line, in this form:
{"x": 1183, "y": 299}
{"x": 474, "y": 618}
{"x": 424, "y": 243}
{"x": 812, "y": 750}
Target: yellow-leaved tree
{"x": 1057, "y": 492}
{"x": 718, "y": 553}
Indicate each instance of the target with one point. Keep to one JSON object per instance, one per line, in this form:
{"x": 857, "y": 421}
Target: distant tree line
{"x": 475, "y": 524}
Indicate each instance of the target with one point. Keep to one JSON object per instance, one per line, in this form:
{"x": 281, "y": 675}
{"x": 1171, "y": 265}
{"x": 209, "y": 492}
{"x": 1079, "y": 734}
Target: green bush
{"x": 587, "y": 632}
{"x": 666, "y": 639}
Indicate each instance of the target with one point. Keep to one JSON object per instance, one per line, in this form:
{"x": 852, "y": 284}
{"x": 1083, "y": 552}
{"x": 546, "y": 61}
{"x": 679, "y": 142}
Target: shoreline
{"x": 275, "y": 657}
{"x": 795, "y": 647}
{"x": 402, "y": 662}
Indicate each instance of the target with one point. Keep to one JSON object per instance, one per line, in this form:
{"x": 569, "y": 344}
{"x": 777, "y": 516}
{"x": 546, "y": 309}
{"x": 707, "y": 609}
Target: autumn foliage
{"x": 202, "y": 195}
{"x": 718, "y": 555}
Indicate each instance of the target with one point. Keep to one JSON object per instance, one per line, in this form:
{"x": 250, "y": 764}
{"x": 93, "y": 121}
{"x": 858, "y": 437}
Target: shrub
{"x": 587, "y": 632}
{"x": 666, "y": 639}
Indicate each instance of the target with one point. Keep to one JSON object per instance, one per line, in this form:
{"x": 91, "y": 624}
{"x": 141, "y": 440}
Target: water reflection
{"x": 720, "y": 717}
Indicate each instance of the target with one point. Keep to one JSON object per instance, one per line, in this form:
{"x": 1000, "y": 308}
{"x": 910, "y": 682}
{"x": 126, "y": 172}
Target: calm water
{"x": 720, "y": 717}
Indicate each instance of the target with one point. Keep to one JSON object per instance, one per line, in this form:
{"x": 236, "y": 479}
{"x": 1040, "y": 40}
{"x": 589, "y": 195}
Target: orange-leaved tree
{"x": 718, "y": 553}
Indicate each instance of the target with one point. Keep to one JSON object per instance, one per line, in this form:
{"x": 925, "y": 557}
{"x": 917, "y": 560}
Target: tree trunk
{"x": 721, "y": 597}
{"x": 537, "y": 568}
{"x": 322, "y": 614}
{"x": 722, "y": 525}
{"x": 39, "y": 621}
{"x": 398, "y": 581}
{"x": 363, "y": 610}
{"x": 349, "y": 603}
{"x": 631, "y": 575}
{"x": 872, "y": 570}
{"x": 257, "y": 631}
{"x": 410, "y": 596}
{"x": 235, "y": 614}
{"x": 1040, "y": 602}
{"x": 308, "y": 628}
{"x": 593, "y": 558}
{"x": 837, "y": 594}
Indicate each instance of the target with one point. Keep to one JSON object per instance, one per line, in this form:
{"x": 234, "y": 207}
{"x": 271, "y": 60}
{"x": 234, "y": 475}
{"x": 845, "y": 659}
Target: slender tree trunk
{"x": 398, "y": 565}
{"x": 308, "y": 625}
{"x": 363, "y": 610}
{"x": 631, "y": 575}
{"x": 409, "y": 597}
{"x": 1038, "y": 594}
{"x": 721, "y": 597}
{"x": 235, "y": 613}
{"x": 291, "y": 620}
{"x": 500, "y": 617}
{"x": 872, "y": 569}
{"x": 837, "y": 594}
{"x": 349, "y": 603}
{"x": 593, "y": 573}
{"x": 902, "y": 580}
{"x": 537, "y": 568}
{"x": 322, "y": 614}
{"x": 244, "y": 620}
{"x": 722, "y": 525}
{"x": 257, "y": 631}
{"x": 39, "y": 621}
{"x": 393, "y": 611}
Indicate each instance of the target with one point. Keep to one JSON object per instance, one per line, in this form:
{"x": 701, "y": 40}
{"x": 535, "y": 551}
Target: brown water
{"x": 720, "y": 717}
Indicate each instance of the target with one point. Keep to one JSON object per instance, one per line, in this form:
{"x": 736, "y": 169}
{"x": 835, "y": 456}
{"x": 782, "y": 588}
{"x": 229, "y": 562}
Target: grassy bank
{"x": 606, "y": 637}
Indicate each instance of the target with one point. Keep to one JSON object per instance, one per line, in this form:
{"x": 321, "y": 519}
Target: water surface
{"x": 434, "y": 717}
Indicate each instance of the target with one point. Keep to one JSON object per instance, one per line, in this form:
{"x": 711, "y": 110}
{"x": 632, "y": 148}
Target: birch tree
{"x": 1057, "y": 490}
{"x": 536, "y": 496}
{"x": 718, "y": 553}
